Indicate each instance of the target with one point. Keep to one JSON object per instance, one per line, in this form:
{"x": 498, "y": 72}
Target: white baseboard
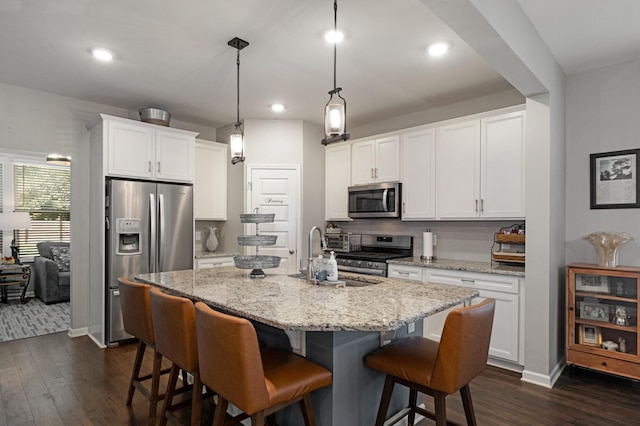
{"x": 542, "y": 379}
{"x": 77, "y": 332}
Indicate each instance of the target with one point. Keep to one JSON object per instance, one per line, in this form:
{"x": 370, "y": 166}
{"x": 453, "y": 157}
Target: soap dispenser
{"x": 318, "y": 268}
{"x": 332, "y": 268}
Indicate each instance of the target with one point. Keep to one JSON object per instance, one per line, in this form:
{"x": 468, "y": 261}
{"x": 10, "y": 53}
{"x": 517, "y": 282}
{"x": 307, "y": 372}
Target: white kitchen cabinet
{"x": 337, "y": 181}
{"x": 147, "y": 151}
{"x": 375, "y": 160}
{"x": 405, "y": 272}
{"x": 505, "y": 289}
{"x": 506, "y": 335}
{"x": 214, "y": 262}
{"x": 210, "y": 182}
{"x": 480, "y": 167}
{"x": 419, "y": 175}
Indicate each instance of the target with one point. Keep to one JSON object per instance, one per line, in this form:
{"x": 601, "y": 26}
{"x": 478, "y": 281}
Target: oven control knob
{"x": 358, "y": 263}
{"x": 368, "y": 264}
{"x": 347, "y": 262}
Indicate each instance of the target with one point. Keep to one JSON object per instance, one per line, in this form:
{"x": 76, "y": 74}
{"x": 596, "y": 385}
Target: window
{"x": 44, "y": 192}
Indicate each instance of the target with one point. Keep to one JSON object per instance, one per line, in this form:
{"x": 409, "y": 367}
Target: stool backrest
{"x": 174, "y": 326}
{"x": 464, "y": 346}
{"x": 230, "y": 361}
{"x": 136, "y": 309}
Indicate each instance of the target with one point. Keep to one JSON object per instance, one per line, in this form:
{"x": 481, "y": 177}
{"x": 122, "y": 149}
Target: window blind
{"x": 45, "y": 193}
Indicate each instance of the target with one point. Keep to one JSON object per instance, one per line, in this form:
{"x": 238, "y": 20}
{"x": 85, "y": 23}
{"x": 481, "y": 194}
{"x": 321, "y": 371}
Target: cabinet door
{"x": 419, "y": 175}
{"x": 337, "y": 181}
{"x": 174, "y": 156}
{"x": 405, "y": 272}
{"x": 210, "y": 182}
{"x": 458, "y": 165}
{"x": 504, "y": 333}
{"x": 130, "y": 150}
{"x": 387, "y": 160}
{"x": 362, "y": 162}
{"x": 502, "y": 166}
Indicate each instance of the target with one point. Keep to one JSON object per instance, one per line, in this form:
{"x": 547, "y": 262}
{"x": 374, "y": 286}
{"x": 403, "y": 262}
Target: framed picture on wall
{"x": 614, "y": 180}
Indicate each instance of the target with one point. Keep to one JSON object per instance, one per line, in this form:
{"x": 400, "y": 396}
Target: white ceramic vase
{"x": 212, "y": 239}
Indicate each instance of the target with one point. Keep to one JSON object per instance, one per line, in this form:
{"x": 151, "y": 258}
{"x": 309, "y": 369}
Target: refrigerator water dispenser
{"x": 128, "y": 231}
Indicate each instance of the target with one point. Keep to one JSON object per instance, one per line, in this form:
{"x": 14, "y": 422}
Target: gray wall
{"x": 602, "y": 116}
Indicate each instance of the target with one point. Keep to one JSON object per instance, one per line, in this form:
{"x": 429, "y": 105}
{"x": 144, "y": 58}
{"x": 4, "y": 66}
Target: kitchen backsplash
{"x": 462, "y": 240}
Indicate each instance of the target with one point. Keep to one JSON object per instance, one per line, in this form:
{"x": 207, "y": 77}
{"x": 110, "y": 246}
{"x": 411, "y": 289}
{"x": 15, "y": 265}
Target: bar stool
{"x": 435, "y": 369}
{"x": 259, "y": 381}
{"x": 136, "y": 315}
{"x": 174, "y": 326}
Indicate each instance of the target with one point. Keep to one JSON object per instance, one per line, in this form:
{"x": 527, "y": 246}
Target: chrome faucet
{"x": 310, "y": 271}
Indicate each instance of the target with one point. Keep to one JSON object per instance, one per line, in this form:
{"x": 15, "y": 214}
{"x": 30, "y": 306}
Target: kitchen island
{"x": 337, "y": 326}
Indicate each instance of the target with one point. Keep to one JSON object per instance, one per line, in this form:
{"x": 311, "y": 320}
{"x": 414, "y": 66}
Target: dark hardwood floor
{"x": 56, "y": 380}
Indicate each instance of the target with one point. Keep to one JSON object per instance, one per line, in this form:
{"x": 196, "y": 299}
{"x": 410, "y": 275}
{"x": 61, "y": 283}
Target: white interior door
{"x": 276, "y": 190}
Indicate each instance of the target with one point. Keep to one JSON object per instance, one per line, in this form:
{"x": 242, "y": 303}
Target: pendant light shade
{"x": 335, "y": 111}
{"x": 236, "y": 140}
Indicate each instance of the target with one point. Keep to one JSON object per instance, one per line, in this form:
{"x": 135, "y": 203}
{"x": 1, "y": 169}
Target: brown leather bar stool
{"x": 435, "y": 369}
{"x": 135, "y": 300}
{"x": 259, "y": 381}
{"x": 174, "y": 326}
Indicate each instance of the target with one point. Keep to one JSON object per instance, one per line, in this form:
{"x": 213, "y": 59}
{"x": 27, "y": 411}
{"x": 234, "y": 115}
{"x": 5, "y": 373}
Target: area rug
{"x": 34, "y": 318}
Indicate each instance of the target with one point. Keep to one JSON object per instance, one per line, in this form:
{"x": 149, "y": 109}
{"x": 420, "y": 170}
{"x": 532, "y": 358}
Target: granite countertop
{"x": 462, "y": 265}
{"x": 206, "y": 254}
{"x": 293, "y": 304}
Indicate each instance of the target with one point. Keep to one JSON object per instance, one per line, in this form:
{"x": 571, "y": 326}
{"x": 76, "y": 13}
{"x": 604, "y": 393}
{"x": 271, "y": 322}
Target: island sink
{"x": 351, "y": 281}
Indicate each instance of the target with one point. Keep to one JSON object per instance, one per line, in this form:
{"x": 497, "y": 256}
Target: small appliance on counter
{"x": 343, "y": 243}
{"x": 509, "y": 245}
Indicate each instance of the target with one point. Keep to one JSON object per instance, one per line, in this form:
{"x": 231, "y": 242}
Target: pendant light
{"x": 236, "y": 141}
{"x": 59, "y": 159}
{"x": 335, "y": 111}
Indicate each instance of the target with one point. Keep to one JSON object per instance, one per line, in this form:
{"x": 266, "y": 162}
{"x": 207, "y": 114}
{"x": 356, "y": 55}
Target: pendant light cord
{"x": 238, "y": 91}
{"x": 335, "y": 42}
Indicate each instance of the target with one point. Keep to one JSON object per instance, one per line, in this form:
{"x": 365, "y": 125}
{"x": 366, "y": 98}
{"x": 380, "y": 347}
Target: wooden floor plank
{"x": 53, "y": 379}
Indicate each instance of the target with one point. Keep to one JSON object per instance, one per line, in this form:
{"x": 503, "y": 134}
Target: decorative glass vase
{"x": 607, "y": 245}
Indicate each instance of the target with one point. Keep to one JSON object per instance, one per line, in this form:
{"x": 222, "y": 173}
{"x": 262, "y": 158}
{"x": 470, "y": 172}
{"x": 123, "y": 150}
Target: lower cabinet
{"x": 506, "y": 336}
{"x": 213, "y": 262}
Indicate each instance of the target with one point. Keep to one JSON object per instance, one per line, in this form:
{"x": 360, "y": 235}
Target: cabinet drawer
{"x": 214, "y": 262}
{"x": 493, "y": 282}
{"x": 405, "y": 272}
{"x": 603, "y": 363}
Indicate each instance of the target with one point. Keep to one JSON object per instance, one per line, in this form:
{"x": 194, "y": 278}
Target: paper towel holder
{"x": 428, "y": 258}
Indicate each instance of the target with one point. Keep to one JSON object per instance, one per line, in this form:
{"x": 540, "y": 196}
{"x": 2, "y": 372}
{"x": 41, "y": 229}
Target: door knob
{"x": 291, "y": 251}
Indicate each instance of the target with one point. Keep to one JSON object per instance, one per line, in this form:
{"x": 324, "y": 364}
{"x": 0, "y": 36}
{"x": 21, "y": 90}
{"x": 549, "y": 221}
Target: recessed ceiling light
{"x": 332, "y": 36}
{"x": 102, "y": 54}
{"x": 439, "y": 48}
{"x": 277, "y": 107}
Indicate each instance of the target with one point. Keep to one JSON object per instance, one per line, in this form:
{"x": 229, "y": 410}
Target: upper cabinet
{"x": 419, "y": 175}
{"x": 337, "y": 181}
{"x": 147, "y": 151}
{"x": 480, "y": 168}
{"x": 376, "y": 160}
{"x": 210, "y": 183}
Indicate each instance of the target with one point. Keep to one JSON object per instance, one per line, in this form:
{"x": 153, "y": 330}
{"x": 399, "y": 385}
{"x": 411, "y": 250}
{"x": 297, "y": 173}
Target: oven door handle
{"x": 385, "y": 205}
{"x": 366, "y": 271}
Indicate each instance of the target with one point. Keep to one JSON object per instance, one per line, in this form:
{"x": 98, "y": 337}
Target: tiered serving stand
{"x": 256, "y": 262}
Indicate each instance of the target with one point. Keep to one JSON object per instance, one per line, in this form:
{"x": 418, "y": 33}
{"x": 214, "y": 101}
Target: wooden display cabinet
{"x": 602, "y": 319}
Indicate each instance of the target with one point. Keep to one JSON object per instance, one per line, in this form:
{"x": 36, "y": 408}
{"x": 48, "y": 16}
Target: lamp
{"x": 236, "y": 141}
{"x": 59, "y": 159}
{"x": 335, "y": 111}
{"x": 12, "y": 222}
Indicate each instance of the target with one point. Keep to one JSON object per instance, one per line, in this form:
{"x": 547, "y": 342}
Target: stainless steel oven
{"x": 343, "y": 243}
{"x": 377, "y": 200}
{"x": 372, "y": 258}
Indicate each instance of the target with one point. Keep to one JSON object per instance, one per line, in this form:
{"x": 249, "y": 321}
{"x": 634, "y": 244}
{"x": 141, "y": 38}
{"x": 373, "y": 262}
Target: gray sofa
{"x": 51, "y": 284}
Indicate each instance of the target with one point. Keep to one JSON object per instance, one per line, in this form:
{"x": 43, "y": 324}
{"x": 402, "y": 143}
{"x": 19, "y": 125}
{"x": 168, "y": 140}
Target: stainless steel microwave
{"x": 376, "y": 200}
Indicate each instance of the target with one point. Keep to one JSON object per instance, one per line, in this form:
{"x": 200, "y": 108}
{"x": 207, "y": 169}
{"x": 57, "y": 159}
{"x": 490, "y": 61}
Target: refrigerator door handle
{"x": 152, "y": 233}
{"x": 161, "y": 218}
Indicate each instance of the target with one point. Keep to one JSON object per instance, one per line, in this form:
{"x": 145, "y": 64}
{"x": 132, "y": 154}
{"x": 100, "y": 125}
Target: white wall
{"x": 602, "y": 116}
{"x": 41, "y": 122}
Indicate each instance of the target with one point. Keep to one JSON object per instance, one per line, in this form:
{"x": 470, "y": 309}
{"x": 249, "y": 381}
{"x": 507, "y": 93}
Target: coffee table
{"x": 15, "y": 274}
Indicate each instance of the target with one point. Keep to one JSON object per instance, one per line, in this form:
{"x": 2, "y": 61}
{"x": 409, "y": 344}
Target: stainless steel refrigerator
{"x": 149, "y": 228}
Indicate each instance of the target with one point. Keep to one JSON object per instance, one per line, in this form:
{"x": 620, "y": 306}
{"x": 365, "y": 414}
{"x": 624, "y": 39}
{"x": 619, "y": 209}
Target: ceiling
{"x": 174, "y": 55}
